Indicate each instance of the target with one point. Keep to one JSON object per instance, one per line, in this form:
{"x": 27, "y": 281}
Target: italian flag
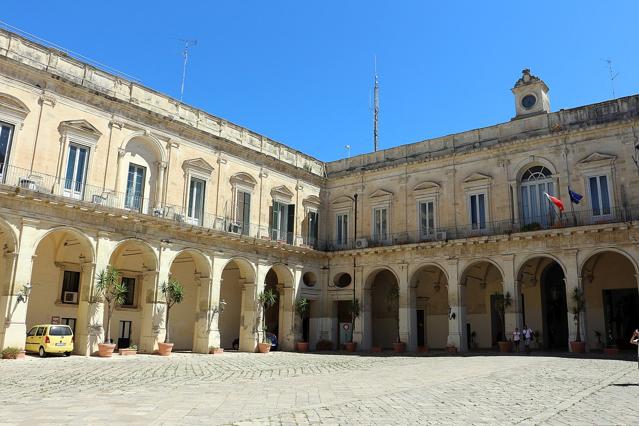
{"x": 556, "y": 201}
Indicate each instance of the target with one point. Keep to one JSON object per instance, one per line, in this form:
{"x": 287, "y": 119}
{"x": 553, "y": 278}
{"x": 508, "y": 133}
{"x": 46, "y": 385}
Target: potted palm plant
{"x": 265, "y": 300}
{"x": 354, "y": 311}
{"x": 578, "y": 306}
{"x": 12, "y": 352}
{"x": 173, "y": 293}
{"x": 301, "y": 308}
{"x": 501, "y": 302}
{"x": 112, "y": 291}
{"x": 392, "y": 304}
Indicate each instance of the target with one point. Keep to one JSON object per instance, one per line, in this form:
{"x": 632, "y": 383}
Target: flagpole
{"x": 572, "y": 205}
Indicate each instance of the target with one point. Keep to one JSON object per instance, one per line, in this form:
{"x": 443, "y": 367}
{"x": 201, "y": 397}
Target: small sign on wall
{"x": 55, "y": 320}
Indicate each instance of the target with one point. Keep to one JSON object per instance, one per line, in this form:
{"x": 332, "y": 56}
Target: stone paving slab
{"x": 289, "y": 388}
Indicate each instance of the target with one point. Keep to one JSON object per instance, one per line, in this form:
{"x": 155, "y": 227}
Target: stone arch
{"x": 85, "y": 239}
{"x": 522, "y": 166}
{"x": 61, "y": 277}
{"x": 149, "y": 253}
{"x": 237, "y": 300}
{"x": 192, "y": 269}
{"x": 480, "y": 281}
{"x": 428, "y": 287}
{"x": 374, "y": 271}
{"x": 379, "y": 313}
{"x": 609, "y": 281}
{"x": 8, "y": 236}
{"x": 284, "y": 274}
{"x": 522, "y": 261}
{"x": 149, "y": 140}
{"x": 541, "y": 289}
{"x": 601, "y": 250}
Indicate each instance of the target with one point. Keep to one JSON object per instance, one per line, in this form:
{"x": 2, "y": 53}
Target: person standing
{"x": 634, "y": 339}
{"x": 528, "y": 335}
{"x": 516, "y": 338}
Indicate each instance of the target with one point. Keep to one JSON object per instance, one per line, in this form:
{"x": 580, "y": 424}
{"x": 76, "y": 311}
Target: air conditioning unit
{"x": 361, "y": 243}
{"x": 441, "y": 235}
{"x": 178, "y": 217}
{"x": 235, "y": 227}
{"x": 70, "y": 297}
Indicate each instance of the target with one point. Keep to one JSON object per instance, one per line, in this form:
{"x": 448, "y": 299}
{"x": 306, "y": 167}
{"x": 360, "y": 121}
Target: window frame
{"x": 62, "y": 290}
{"x": 10, "y": 143}
{"x": 611, "y": 204}
{"x": 71, "y": 192}
{"x": 192, "y": 219}
{"x": 344, "y": 241}
{"x": 374, "y": 235}
{"x": 425, "y": 200}
{"x": 476, "y": 193}
{"x": 134, "y": 296}
{"x": 142, "y": 188}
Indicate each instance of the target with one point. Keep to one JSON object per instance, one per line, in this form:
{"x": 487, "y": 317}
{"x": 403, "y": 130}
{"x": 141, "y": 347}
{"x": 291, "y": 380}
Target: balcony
{"x": 569, "y": 219}
{"x": 99, "y": 198}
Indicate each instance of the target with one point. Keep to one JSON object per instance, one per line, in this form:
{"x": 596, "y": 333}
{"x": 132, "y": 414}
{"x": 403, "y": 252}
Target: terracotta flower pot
{"x": 505, "y": 347}
{"x": 376, "y": 349}
{"x": 18, "y": 355}
{"x": 105, "y": 350}
{"x": 351, "y": 346}
{"x": 451, "y": 349}
{"x": 423, "y": 349}
{"x": 127, "y": 352}
{"x": 611, "y": 350}
{"x": 302, "y": 346}
{"x": 264, "y": 348}
{"x": 164, "y": 349}
{"x": 216, "y": 351}
{"x": 399, "y": 347}
{"x": 578, "y": 347}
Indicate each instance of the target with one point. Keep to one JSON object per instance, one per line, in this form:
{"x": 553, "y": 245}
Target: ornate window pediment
{"x": 243, "y": 179}
{"x": 198, "y": 165}
{"x": 80, "y": 131}
{"x": 282, "y": 192}
{"x": 12, "y": 106}
{"x": 343, "y": 199}
{"x": 477, "y": 180}
{"x": 427, "y": 187}
{"x": 597, "y": 159}
{"x": 381, "y": 193}
{"x": 312, "y": 201}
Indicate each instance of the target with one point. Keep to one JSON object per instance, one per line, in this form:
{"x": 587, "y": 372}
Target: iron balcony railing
{"x": 98, "y": 196}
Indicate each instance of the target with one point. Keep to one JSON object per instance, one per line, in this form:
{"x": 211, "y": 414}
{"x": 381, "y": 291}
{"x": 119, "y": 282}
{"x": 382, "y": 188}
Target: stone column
{"x": 9, "y": 260}
{"x": 152, "y": 327}
{"x": 21, "y": 264}
{"x": 363, "y": 334}
{"x": 326, "y": 313}
{"x": 207, "y": 332}
{"x": 407, "y": 320}
{"x": 572, "y": 281}
{"x": 457, "y": 309}
{"x": 287, "y": 319}
{"x": 83, "y": 345}
{"x": 251, "y": 319}
{"x": 158, "y": 201}
{"x": 513, "y": 314}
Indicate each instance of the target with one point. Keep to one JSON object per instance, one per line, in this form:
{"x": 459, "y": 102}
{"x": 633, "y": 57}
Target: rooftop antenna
{"x": 375, "y": 109}
{"x": 613, "y": 75}
{"x": 185, "y": 54}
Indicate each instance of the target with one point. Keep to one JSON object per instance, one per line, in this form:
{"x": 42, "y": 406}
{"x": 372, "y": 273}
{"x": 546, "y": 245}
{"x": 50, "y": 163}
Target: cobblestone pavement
{"x": 289, "y": 388}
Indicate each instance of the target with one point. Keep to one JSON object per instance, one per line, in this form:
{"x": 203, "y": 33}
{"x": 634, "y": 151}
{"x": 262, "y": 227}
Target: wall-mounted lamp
{"x": 451, "y": 315}
{"x": 23, "y": 296}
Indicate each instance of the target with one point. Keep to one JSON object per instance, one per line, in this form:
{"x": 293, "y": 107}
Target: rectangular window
{"x": 478, "y": 211}
{"x": 70, "y": 322}
{"x": 129, "y": 298}
{"x": 426, "y": 218}
{"x": 599, "y": 195}
{"x": 342, "y": 229}
{"x": 313, "y": 227}
{"x": 76, "y": 171}
{"x": 380, "y": 224}
{"x": 124, "y": 334}
{"x": 70, "y": 287}
{"x": 6, "y": 133}
{"x": 134, "y": 187}
{"x": 243, "y": 211}
{"x": 195, "y": 211}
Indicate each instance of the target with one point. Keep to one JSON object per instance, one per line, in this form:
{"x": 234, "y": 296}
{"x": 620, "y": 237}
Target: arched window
{"x": 535, "y": 207}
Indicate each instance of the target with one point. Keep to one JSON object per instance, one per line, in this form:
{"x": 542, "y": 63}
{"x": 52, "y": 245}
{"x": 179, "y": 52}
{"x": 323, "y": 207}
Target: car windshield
{"x": 60, "y": 330}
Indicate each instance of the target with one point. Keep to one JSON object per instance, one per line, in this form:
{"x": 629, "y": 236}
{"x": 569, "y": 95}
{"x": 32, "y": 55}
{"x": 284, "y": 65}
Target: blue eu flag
{"x": 574, "y": 197}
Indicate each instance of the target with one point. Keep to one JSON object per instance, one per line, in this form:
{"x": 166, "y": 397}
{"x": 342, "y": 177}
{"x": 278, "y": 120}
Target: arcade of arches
{"x": 433, "y": 305}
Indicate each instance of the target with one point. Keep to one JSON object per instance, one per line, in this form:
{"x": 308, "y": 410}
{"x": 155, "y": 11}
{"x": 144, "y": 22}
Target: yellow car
{"x": 50, "y": 339}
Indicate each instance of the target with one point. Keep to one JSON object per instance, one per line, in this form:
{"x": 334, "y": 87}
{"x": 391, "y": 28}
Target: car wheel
{"x": 67, "y": 354}
{"x": 41, "y": 352}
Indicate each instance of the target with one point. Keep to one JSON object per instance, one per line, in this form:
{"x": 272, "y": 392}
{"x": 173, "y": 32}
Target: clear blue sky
{"x": 300, "y": 72}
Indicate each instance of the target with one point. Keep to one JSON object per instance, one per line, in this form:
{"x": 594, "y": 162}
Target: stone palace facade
{"x": 96, "y": 170}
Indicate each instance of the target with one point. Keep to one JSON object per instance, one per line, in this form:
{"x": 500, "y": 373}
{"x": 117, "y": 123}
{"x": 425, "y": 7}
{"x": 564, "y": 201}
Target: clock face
{"x": 528, "y": 101}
